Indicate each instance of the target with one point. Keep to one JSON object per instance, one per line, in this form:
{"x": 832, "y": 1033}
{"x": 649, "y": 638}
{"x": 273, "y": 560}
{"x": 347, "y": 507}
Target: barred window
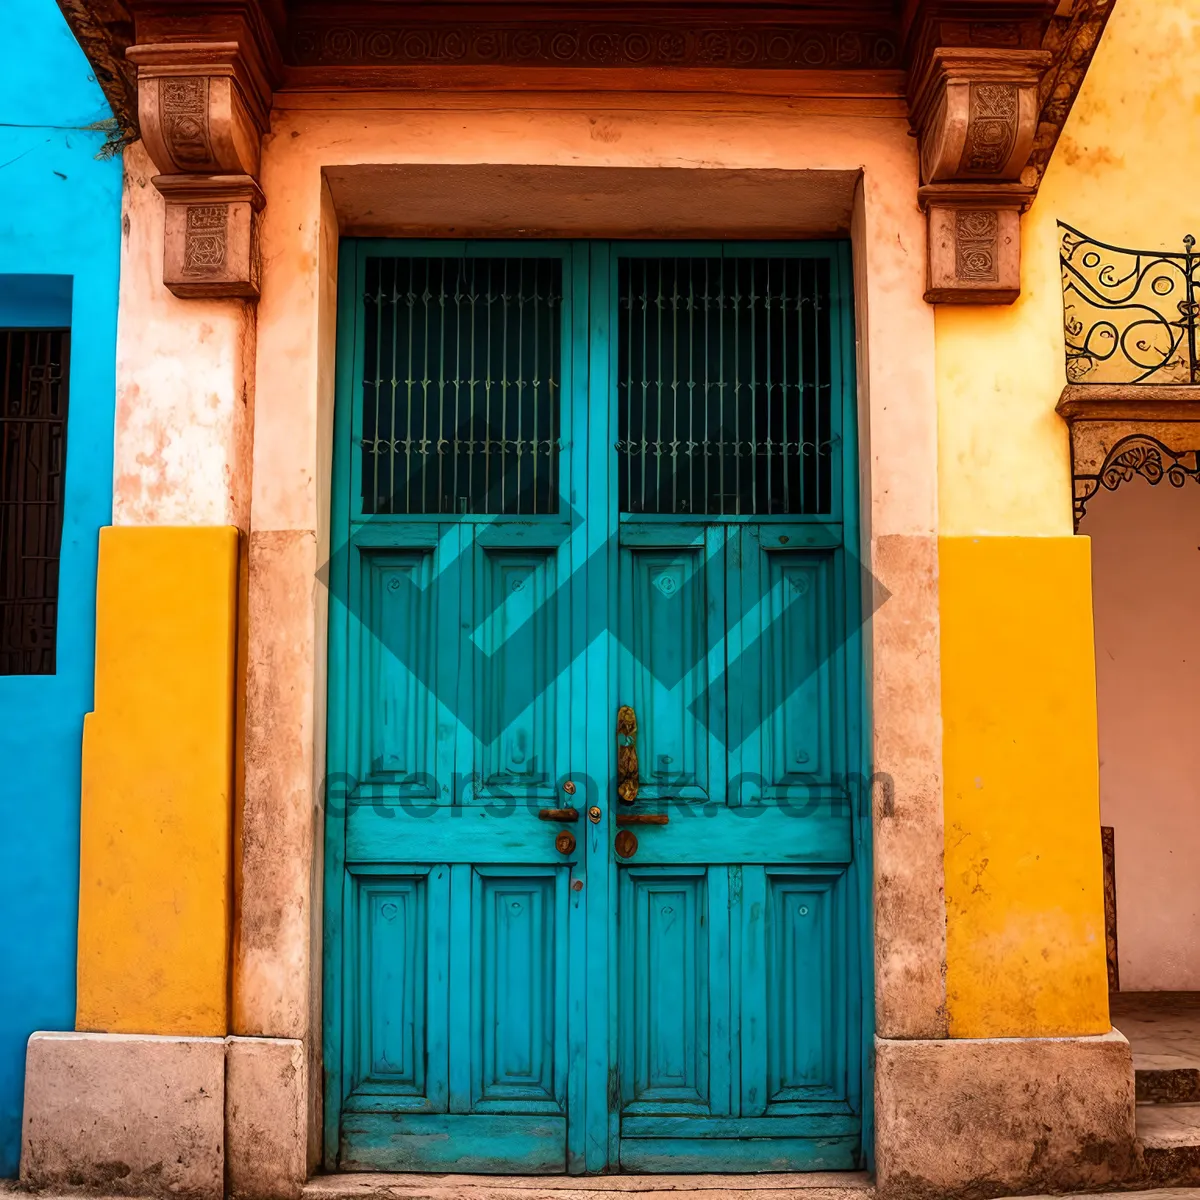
{"x": 33, "y": 453}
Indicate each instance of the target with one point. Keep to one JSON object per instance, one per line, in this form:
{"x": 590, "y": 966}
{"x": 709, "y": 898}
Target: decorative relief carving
{"x": 974, "y": 242}
{"x": 973, "y": 105}
{"x": 976, "y": 238}
{"x": 994, "y": 33}
{"x": 204, "y": 106}
{"x": 183, "y": 107}
{"x": 206, "y": 239}
{"x": 211, "y": 246}
{"x": 991, "y": 129}
{"x": 598, "y": 45}
{"x": 1138, "y": 454}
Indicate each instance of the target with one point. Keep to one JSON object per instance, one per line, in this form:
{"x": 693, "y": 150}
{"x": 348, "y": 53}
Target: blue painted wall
{"x": 60, "y": 216}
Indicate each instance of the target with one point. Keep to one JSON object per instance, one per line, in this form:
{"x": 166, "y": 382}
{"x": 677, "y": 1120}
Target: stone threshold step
{"x": 1166, "y": 1079}
{"x": 827, "y": 1185}
{"x": 1162, "y": 1193}
{"x": 1170, "y": 1138}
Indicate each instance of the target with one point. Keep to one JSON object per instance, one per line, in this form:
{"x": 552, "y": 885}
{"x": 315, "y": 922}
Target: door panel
{"x": 519, "y": 990}
{"x": 457, "y": 660}
{"x": 665, "y": 997}
{"x": 733, "y": 591}
{"x": 571, "y": 478}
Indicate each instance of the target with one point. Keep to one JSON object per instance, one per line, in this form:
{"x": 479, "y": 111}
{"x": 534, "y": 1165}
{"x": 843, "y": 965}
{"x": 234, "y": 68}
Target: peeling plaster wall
{"x": 185, "y": 383}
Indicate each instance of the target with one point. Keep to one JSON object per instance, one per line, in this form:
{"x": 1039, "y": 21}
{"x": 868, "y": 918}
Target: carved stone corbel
{"x": 203, "y": 108}
{"x": 974, "y": 104}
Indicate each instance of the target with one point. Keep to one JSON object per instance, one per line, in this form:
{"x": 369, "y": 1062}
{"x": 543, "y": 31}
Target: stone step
{"x": 1170, "y": 1139}
{"x": 829, "y": 1185}
{"x": 1167, "y": 1078}
{"x": 1175, "y": 1085}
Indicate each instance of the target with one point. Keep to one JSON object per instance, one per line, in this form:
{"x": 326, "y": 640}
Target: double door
{"x": 594, "y": 810}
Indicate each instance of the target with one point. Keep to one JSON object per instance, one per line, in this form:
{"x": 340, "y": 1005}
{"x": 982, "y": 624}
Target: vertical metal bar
{"x": 376, "y": 498}
{"x": 659, "y": 389}
{"x": 783, "y": 387}
{"x": 769, "y": 383}
{"x": 645, "y": 296}
{"x": 1189, "y": 243}
{"x": 439, "y": 438}
{"x": 504, "y": 381}
{"x": 409, "y": 382}
{"x": 754, "y": 298}
{"x": 822, "y": 426}
{"x": 630, "y": 347}
{"x": 673, "y": 460}
{"x": 373, "y": 504}
{"x": 423, "y": 441}
{"x": 457, "y": 438}
{"x": 487, "y": 391}
{"x": 556, "y": 335}
{"x": 801, "y": 424}
{"x": 737, "y": 388}
{"x": 691, "y": 386}
{"x": 722, "y": 270}
{"x": 707, "y": 397}
{"x": 536, "y": 380}
{"x": 470, "y": 270}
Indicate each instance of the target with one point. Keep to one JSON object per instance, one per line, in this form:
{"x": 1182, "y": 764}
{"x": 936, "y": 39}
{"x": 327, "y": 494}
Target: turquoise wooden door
{"x": 595, "y": 889}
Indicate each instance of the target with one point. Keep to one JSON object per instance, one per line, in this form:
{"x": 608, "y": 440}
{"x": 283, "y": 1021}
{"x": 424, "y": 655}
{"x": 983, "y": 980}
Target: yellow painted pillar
{"x": 158, "y": 779}
{"x": 1024, "y": 892}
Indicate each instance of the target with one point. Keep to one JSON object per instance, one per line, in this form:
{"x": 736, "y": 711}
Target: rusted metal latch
{"x": 627, "y": 759}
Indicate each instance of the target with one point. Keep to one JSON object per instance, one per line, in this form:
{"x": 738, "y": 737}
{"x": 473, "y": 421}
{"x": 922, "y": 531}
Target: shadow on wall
{"x": 60, "y": 213}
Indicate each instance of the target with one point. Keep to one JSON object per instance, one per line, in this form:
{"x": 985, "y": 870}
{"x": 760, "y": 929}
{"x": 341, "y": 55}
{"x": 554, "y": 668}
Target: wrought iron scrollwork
{"x": 1137, "y": 454}
{"x": 1130, "y": 315}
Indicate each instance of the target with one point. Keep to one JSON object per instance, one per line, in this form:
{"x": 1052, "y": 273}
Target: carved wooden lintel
{"x": 974, "y": 103}
{"x": 203, "y": 107}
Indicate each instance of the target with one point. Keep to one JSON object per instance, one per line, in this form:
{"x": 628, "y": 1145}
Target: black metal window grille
{"x": 724, "y": 386}
{"x": 1130, "y": 316}
{"x": 461, "y": 387}
{"x": 33, "y": 455}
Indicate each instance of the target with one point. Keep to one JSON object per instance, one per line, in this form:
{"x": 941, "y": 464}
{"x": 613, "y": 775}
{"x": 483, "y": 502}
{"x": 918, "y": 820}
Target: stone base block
{"x": 125, "y": 1114}
{"x": 265, "y": 1118}
{"x": 1003, "y": 1116}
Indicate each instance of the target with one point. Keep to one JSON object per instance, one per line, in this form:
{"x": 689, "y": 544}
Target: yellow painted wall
{"x": 1023, "y": 874}
{"x": 1024, "y": 894}
{"x": 1126, "y": 171}
{"x": 154, "y": 891}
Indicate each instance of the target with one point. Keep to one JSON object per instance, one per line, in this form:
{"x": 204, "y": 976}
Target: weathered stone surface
{"x": 997, "y": 1116}
{"x": 910, "y": 910}
{"x": 125, "y": 1114}
{"x": 265, "y": 1118}
{"x": 820, "y": 1185}
{"x": 1170, "y": 1142}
